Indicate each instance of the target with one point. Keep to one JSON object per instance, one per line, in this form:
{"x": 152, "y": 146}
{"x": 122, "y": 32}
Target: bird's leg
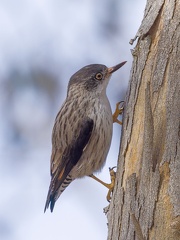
{"x": 110, "y": 186}
{"x": 118, "y": 111}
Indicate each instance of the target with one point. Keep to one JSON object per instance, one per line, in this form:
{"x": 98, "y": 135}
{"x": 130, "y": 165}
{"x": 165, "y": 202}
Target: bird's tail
{"x": 55, "y": 192}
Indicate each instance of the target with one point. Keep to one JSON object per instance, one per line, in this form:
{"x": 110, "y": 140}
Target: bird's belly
{"x": 95, "y": 152}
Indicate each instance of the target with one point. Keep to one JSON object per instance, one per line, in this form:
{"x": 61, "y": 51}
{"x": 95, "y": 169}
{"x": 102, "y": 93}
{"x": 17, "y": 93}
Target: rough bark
{"x": 146, "y": 198}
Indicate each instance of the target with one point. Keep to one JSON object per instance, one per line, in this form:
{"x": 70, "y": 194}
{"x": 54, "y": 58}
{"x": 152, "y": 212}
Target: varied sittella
{"x": 82, "y": 131}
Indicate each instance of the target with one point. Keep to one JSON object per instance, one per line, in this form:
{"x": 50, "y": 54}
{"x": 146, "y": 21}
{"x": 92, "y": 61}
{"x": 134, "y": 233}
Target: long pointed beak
{"x": 115, "y": 68}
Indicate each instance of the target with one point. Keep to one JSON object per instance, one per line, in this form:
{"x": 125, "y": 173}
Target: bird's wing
{"x": 68, "y": 159}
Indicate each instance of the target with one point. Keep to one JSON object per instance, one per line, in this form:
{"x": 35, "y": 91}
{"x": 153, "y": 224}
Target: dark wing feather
{"x": 70, "y": 157}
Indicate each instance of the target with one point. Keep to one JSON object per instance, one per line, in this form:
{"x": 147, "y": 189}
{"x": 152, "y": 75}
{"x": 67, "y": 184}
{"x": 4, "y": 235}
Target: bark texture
{"x": 146, "y": 198}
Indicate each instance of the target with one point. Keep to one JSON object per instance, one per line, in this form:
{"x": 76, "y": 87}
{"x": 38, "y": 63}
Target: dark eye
{"x": 99, "y": 76}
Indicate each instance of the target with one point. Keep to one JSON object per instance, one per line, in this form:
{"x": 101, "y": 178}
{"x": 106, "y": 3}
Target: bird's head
{"x": 92, "y": 78}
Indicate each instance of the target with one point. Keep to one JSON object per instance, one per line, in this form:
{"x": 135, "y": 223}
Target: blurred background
{"x": 42, "y": 43}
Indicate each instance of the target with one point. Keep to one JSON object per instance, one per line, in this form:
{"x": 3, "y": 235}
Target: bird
{"x": 82, "y": 131}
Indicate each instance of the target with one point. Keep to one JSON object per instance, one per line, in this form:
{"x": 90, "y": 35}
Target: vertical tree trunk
{"x": 146, "y": 198}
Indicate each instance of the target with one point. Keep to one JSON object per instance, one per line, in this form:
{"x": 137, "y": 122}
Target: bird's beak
{"x": 115, "y": 68}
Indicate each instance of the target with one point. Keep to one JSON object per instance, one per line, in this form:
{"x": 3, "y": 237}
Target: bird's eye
{"x": 99, "y": 76}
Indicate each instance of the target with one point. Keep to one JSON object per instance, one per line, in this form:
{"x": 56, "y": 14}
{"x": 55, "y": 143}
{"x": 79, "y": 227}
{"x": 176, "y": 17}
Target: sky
{"x": 42, "y": 43}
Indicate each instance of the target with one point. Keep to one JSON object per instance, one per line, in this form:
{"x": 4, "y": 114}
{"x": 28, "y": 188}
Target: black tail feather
{"x": 50, "y": 198}
{"x": 50, "y": 201}
{"x": 53, "y": 194}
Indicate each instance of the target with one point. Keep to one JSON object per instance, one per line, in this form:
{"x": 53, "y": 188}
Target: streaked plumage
{"x": 82, "y": 131}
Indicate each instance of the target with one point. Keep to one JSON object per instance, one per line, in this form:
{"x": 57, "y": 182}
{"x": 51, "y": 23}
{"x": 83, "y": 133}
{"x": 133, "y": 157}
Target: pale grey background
{"x": 42, "y": 43}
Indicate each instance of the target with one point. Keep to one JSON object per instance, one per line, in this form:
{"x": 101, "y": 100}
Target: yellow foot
{"x": 118, "y": 111}
{"x": 110, "y": 186}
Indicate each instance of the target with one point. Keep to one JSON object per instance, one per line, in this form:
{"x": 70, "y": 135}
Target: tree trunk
{"x": 146, "y": 198}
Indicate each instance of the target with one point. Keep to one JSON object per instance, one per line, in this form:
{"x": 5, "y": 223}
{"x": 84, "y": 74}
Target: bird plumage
{"x": 82, "y": 131}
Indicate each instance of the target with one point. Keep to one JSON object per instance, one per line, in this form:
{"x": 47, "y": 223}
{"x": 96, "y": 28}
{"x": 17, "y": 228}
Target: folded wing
{"x": 67, "y": 160}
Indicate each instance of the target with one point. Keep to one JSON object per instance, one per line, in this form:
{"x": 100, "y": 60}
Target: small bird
{"x": 82, "y": 131}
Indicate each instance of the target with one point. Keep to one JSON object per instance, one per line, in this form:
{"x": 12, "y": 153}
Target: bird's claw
{"x": 110, "y": 186}
{"x": 118, "y": 111}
